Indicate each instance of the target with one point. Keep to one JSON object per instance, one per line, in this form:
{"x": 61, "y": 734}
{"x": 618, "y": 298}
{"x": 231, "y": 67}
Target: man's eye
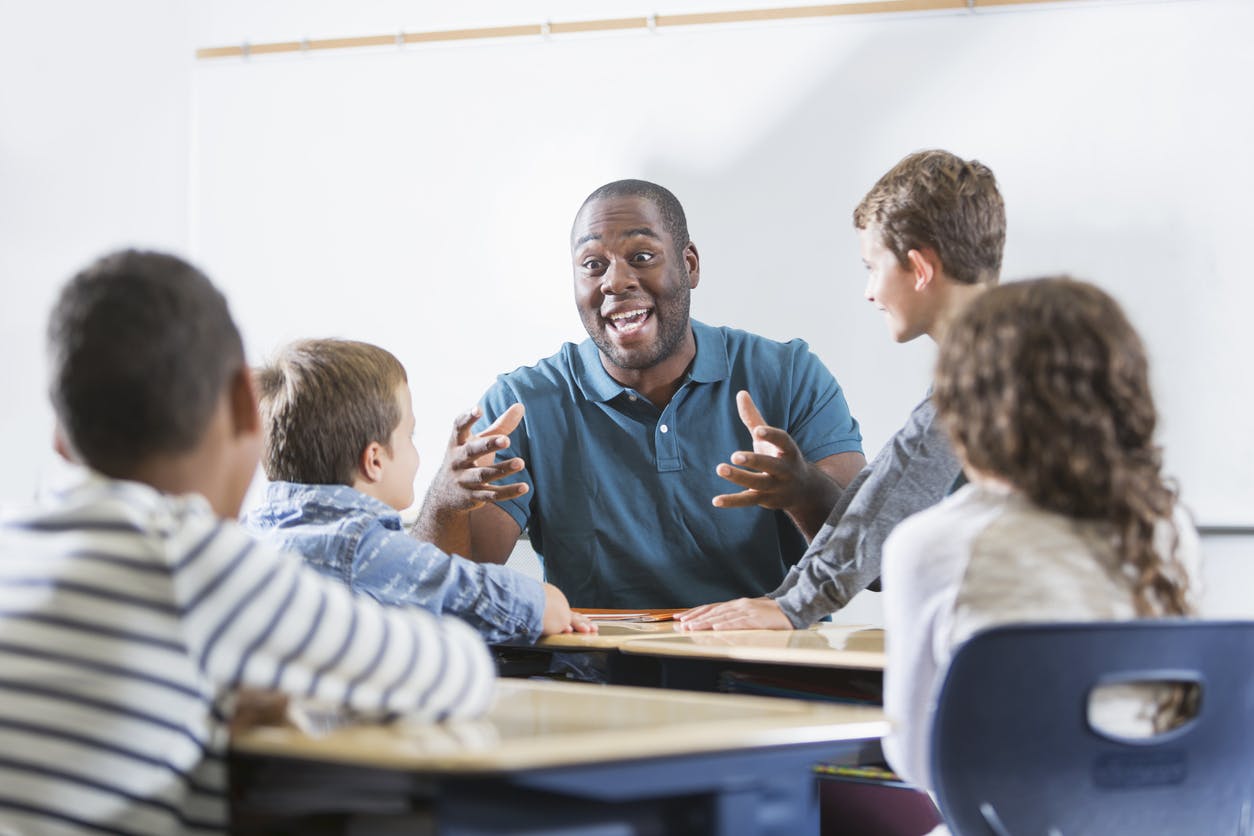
{"x": 641, "y": 258}
{"x": 592, "y": 265}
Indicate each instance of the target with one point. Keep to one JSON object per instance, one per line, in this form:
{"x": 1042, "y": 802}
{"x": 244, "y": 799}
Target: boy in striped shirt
{"x": 131, "y": 608}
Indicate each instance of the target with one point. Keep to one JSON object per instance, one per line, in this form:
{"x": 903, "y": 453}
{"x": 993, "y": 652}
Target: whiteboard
{"x": 421, "y": 198}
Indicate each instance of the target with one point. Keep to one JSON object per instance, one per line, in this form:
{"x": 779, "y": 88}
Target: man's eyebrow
{"x": 647, "y": 232}
{"x": 636, "y": 232}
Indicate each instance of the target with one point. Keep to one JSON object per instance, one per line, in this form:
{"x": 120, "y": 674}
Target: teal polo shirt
{"x": 619, "y": 503}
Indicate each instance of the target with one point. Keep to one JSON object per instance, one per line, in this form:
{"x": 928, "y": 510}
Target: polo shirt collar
{"x": 709, "y": 365}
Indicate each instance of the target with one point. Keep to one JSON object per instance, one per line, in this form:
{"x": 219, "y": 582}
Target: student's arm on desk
{"x": 253, "y": 617}
{"x": 776, "y": 475}
{"x": 738, "y": 614}
{"x": 493, "y": 534}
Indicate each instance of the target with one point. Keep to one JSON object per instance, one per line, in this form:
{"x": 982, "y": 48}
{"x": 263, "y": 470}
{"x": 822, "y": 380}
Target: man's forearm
{"x": 449, "y": 531}
{"x": 820, "y": 495}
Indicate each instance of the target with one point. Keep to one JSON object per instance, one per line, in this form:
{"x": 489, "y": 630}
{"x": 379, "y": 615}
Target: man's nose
{"x": 618, "y": 278}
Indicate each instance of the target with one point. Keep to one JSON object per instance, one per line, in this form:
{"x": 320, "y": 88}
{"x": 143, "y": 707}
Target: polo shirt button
{"x": 664, "y": 428}
{"x": 631, "y": 398}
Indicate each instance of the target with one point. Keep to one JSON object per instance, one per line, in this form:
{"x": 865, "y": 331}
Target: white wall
{"x": 421, "y": 197}
{"x": 94, "y": 113}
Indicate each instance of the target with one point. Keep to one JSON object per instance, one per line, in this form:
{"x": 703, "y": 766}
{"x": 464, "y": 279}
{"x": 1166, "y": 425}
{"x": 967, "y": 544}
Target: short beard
{"x": 671, "y": 315}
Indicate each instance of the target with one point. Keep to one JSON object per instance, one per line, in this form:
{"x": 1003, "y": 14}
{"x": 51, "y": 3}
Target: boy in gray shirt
{"x": 931, "y": 233}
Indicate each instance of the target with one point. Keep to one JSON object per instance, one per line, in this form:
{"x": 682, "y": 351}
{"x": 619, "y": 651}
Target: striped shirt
{"x": 128, "y": 617}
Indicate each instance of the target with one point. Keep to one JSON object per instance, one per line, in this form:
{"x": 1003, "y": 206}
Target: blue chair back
{"x": 1014, "y": 754}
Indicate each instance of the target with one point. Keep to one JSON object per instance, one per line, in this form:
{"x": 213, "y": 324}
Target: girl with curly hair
{"x": 1044, "y": 389}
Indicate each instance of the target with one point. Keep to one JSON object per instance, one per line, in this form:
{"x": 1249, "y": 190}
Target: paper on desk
{"x": 628, "y": 615}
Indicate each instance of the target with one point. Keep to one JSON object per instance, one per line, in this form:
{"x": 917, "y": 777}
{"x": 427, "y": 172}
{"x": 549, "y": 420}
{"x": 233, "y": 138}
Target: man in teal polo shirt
{"x": 626, "y": 436}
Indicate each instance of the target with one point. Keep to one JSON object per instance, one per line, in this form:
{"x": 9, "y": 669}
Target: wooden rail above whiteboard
{"x": 611, "y": 24}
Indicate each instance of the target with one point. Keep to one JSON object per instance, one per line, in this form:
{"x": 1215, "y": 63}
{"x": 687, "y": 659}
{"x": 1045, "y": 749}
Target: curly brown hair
{"x": 322, "y": 403}
{"x": 937, "y": 200}
{"x": 1045, "y": 384}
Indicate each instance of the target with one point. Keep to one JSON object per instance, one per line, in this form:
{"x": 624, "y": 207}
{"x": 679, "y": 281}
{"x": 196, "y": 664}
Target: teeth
{"x": 629, "y": 322}
{"x": 629, "y": 314}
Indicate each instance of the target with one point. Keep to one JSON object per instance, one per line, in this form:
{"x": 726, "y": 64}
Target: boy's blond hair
{"x": 939, "y": 201}
{"x": 322, "y": 403}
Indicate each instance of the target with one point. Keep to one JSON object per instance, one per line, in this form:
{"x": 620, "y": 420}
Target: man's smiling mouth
{"x": 629, "y": 322}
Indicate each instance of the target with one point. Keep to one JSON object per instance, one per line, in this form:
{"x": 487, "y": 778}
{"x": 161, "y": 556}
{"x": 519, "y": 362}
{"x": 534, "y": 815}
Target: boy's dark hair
{"x": 673, "y": 219}
{"x": 937, "y": 200}
{"x": 141, "y": 347}
{"x": 322, "y": 403}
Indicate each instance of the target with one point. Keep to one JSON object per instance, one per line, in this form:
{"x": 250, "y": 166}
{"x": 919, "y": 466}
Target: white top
{"x": 126, "y": 619}
{"x": 983, "y": 557}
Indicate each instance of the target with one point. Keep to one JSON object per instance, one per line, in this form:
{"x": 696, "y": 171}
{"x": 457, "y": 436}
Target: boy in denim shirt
{"x": 338, "y": 426}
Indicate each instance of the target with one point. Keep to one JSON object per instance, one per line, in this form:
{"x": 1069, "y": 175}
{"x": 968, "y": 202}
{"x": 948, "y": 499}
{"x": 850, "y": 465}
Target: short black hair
{"x": 141, "y": 347}
{"x": 673, "y": 219}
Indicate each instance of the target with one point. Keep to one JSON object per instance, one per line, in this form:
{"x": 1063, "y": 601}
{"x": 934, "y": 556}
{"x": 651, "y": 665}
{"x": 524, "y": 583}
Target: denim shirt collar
{"x": 284, "y": 497}
{"x": 709, "y": 365}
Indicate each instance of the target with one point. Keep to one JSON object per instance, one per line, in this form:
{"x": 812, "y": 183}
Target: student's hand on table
{"x": 464, "y": 482}
{"x": 255, "y": 707}
{"x": 558, "y": 617}
{"x": 775, "y": 474}
{"x": 740, "y": 614}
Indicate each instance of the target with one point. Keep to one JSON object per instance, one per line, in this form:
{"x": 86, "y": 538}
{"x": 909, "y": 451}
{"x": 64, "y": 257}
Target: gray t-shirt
{"x": 914, "y": 471}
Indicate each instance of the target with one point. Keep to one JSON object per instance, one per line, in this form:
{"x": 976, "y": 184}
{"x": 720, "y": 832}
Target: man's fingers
{"x": 476, "y": 476}
{"x": 496, "y": 493}
{"x": 467, "y": 418}
{"x": 480, "y": 447}
{"x": 506, "y": 423}
{"x": 744, "y": 499}
{"x": 482, "y": 479}
{"x": 748, "y": 410}
{"x": 462, "y": 424}
{"x": 748, "y": 479}
{"x": 754, "y": 463}
{"x": 780, "y": 438}
{"x": 503, "y": 492}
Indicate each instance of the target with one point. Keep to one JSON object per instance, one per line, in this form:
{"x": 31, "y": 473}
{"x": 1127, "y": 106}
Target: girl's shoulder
{"x": 948, "y": 527}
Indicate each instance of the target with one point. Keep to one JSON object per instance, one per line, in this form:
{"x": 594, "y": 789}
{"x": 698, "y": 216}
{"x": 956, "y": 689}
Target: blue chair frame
{"x": 1013, "y": 752}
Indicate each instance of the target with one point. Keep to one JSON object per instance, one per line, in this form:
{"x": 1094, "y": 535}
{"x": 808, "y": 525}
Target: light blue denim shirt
{"x": 360, "y": 541}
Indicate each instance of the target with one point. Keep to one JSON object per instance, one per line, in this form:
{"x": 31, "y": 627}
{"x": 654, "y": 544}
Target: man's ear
{"x": 693, "y": 262}
{"x": 924, "y": 265}
{"x": 371, "y": 463}
{"x": 245, "y": 419}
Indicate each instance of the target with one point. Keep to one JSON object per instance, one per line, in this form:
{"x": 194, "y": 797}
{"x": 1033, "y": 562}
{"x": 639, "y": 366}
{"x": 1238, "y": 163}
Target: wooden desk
{"x": 823, "y": 646}
{"x": 843, "y": 663}
{"x": 551, "y": 756}
{"x": 846, "y": 659}
{"x": 591, "y": 656}
{"x": 611, "y": 635}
